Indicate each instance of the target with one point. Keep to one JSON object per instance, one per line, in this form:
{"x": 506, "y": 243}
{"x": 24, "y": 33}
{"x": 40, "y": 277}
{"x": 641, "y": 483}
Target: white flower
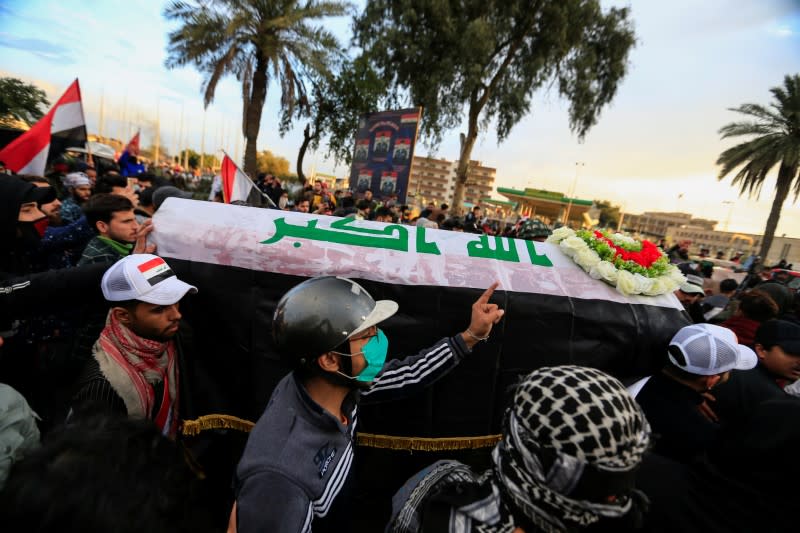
{"x": 661, "y": 285}
{"x": 619, "y": 238}
{"x": 643, "y": 283}
{"x": 606, "y": 271}
{"x": 626, "y": 283}
{"x": 572, "y": 245}
{"x": 586, "y": 258}
{"x": 675, "y": 275}
{"x": 560, "y": 234}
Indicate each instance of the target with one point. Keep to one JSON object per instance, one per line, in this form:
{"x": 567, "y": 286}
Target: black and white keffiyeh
{"x": 563, "y": 421}
{"x": 566, "y": 425}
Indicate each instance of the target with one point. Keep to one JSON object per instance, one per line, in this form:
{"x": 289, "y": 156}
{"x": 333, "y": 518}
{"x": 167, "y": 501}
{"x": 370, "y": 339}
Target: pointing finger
{"x": 484, "y": 298}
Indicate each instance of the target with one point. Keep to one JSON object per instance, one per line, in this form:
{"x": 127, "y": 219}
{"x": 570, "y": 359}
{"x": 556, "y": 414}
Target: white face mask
{"x": 282, "y": 201}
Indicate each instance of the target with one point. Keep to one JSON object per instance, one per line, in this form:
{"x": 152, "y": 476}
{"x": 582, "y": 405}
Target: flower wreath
{"x": 630, "y": 265}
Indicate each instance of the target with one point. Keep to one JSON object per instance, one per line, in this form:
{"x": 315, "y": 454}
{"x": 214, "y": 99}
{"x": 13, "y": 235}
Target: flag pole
{"x": 89, "y": 160}
{"x": 251, "y": 181}
{"x": 158, "y": 132}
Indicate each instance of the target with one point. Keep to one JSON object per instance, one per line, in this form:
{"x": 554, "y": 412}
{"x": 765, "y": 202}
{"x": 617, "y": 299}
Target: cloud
{"x": 38, "y": 47}
{"x": 782, "y": 32}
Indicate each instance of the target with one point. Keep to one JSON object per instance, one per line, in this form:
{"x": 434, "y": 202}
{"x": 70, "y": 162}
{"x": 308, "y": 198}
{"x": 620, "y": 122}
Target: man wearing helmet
{"x": 297, "y": 461}
{"x": 533, "y": 229}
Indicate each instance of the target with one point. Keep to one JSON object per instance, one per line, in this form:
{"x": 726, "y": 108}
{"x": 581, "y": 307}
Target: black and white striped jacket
{"x": 295, "y": 468}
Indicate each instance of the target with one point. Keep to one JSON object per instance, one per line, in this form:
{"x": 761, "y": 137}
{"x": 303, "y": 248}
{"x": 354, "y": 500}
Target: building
{"x": 730, "y": 243}
{"x": 480, "y": 182}
{"x": 431, "y": 180}
{"x": 655, "y": 224}
{"x": 549, "y": 206}
{"x": 434, "y": 180}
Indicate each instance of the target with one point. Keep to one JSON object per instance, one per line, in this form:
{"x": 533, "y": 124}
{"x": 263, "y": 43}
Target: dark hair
{"x": 383, "y": 211}
{"x": 107, "y": 182}
{"x": 728, "y": 285}
{"x": 101, "y": 208}
{"x": 146, "y": 197}
{"x": 758, "y": 306}
{"x": 425, "y": 213}
{"x": 444, "y": 207}
{"x": 364, "y": 204}
{"x": 35, "y": 179}
{"x": 105, "y": 474}
{"x": 146, "y": 177}
{"x": 452, "y": 224}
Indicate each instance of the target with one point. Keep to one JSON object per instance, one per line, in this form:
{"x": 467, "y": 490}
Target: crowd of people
{"x": 95, "y": 362}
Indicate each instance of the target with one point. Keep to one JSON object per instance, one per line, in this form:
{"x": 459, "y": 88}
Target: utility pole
{"x": 158, "y": 132}
{"x": 572, "y": 193}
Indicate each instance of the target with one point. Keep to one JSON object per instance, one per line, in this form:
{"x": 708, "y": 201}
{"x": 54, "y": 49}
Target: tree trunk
{"x": 478, "y": 99}
{"x": 307, "y": 138}
{"x": 253, "y": 122}
{"x": 785, "y": 177}
{"x": 463, "y": 162}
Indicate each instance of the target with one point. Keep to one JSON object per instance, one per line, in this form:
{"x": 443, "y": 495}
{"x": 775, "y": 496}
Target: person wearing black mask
{"x": 22, "y": 223}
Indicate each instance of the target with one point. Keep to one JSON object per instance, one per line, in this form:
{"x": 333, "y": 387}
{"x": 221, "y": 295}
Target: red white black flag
{"x": 61, "y": 127}
{"x": 236, "y": 185}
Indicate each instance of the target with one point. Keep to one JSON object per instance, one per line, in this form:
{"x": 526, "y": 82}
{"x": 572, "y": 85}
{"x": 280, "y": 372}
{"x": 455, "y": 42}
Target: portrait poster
{"x": 383, "y": 153}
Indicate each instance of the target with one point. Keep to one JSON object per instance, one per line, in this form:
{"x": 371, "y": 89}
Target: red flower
{"x": 645, "y": 257}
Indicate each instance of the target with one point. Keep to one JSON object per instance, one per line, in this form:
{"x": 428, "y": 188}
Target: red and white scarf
{"x": 131, "y": 364}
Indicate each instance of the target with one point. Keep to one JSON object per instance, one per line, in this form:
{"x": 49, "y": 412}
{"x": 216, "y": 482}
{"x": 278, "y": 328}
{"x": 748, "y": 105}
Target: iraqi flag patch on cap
{"x": 155, "y": 271}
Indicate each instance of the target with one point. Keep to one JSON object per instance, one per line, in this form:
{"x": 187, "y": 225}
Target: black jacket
{"x": 680, "y": 431}
{"x": 743, "y": 392}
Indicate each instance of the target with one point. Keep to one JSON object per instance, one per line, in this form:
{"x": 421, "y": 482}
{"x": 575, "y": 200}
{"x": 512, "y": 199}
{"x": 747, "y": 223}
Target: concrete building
{"x": 434, "y": 180}
{"x": 730, "y": 243}
{"x": 431, "y": 180}
{"x": 655, "y": 224}
{"x": 480, "y": 182}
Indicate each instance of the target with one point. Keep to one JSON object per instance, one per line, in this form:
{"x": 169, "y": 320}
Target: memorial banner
{"x": 383, "y": 153}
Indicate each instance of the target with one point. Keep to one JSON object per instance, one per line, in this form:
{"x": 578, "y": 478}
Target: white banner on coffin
{"x": 301, "y": 244}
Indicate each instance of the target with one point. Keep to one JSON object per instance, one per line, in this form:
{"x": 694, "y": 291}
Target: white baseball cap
{"x": 707, "y": 350}
{"x": 76, "y": 179}
{"x": 143, "y": 277}
{"x": 693, "y": 285}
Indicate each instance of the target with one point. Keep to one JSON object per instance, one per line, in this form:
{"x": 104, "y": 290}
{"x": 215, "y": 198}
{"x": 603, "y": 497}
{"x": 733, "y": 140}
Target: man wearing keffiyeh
{"x": 572, "y": 441}
{"x": 134, "y": 367}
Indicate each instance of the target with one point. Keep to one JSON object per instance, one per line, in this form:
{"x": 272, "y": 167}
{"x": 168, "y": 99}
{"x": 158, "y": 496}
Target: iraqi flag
{"x": 243, "y": 260}
{"x": 61, "y": 127}
{"x": 133, "y": 145}
{"x": 236, "y": 185}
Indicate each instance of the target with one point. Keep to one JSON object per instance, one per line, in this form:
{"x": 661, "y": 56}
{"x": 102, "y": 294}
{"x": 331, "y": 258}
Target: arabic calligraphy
{"x": 391, "y": 237}
{"x": 395, "y": 237}
{"x": 504, "y": 249}
{"x": 536, "y": 259}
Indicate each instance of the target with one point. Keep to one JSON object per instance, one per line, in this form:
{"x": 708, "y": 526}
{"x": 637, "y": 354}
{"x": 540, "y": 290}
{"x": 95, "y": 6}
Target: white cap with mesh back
{"x": 143, "y": 277}
{"x": 707, "y": 350}
{"x": 693, "y": 285}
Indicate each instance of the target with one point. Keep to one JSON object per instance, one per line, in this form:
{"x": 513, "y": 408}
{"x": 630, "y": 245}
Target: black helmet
{"x": 321, "y": 313}
{"x": 532, "y": 228}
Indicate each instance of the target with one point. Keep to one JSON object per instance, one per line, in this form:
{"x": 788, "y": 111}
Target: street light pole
{"x": 572, "y": 193}
{"x": 730, "y": 211}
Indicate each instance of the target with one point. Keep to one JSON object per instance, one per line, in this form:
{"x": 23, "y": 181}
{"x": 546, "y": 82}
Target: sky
{"x": 654, "y": 147}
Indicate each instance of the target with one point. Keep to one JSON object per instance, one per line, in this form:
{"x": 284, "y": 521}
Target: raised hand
{"x": 484, "y": 316}
{"x": 141, "y": 246}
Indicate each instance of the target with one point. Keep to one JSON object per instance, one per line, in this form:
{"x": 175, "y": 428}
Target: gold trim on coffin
{"x": 369, "y": 440}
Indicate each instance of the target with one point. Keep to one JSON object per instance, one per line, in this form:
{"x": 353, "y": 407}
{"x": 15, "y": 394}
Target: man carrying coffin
{"x": 296, "y": 467}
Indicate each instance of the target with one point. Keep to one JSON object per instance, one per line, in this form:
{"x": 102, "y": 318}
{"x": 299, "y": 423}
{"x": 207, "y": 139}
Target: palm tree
{"x": 775, "y": 132}
{"x": 257, "y": 41}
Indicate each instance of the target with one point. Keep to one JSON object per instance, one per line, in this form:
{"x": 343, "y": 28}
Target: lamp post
{"x": 729, "y": 203}
{"x": 572, "y": 192}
